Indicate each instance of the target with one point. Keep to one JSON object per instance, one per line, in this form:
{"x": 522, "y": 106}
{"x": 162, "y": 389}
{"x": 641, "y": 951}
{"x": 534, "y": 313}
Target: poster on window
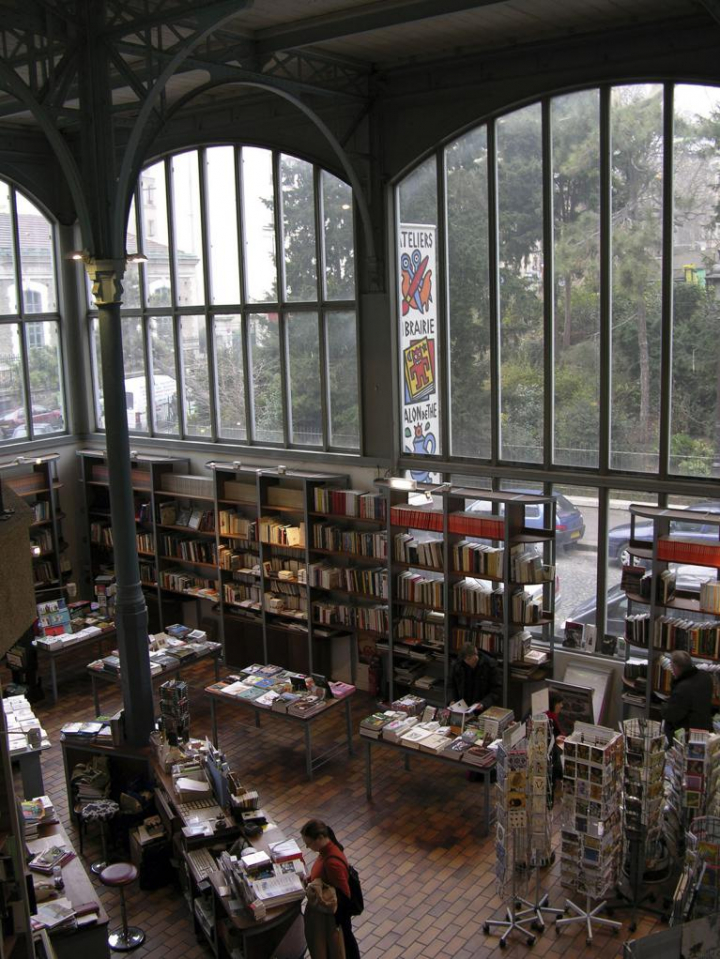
{"x": 417, "y": 272}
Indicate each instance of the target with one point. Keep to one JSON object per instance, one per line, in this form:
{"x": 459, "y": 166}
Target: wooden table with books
{"x": 302, "y": 711}
{"x": 51, "y": 649}
{"x": 88, "y": 936}
{"x": 163, "y": 663}
{"x": 413, "y": 740}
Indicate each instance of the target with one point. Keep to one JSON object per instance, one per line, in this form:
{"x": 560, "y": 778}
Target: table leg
{"x": 407, "y": 762}
{"x": 486, "y": 799}
{"x": 368, "y": 770}
{"x": 213, "y": 721}
{"x": 31, "y": 774}
{"x": 96, "y": 698}
{"x": 348, "y": 724}
{"x": 257, "y": 718}
{"x": 216, "y": 662}
{"x": 308, "y": 751}
{"x": 53, "y": 681}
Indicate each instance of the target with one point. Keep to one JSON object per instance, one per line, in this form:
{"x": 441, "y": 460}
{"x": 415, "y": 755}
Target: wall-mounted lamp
{"x": 136, "y": 258}
{"x": 77, "y": 255}
{"x": 237, "y": 464}
{"x": 400, "y": 482}
{"x": 281, "y": 470}
{"x": 442, "y": 488}
{"x": 211, "y": 464}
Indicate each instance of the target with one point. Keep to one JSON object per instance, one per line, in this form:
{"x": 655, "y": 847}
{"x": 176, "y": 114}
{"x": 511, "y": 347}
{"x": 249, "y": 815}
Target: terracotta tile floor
{"x": 427, "y": 872}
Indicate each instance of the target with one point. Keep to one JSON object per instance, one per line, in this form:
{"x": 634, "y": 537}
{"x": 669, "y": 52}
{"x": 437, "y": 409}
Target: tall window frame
{"x": 32, "y": 387}
{"x": 231, "y": 320}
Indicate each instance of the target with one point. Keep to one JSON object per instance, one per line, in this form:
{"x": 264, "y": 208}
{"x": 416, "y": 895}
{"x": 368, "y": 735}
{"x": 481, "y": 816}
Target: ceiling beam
{"x": 192, "y": 12}
{"x": 363, "y": 19}
{"x": 713, "y": 8}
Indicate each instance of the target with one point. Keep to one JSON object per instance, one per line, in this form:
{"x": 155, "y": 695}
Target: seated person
{"x": 475, "y": 678}
{"x": 690, "y": 702}
{"x": 555, "y": 703}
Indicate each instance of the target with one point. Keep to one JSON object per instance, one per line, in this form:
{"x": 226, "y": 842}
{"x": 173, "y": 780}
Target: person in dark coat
{"x": 690, "y": 702}
{"x": 476, "y": 678}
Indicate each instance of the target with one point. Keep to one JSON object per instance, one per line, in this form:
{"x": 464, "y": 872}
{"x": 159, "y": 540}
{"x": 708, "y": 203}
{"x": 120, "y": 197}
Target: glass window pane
{"x": 520, "y": 226}
{"x": 164, "y": 375}
{"x": 266, "y": 377}
{"x": 576, "y": 179}
{"x": 222, "y": 226}
{"x": 230, "y": 377}
{"x": 131, "y": 280}
{"x": 466, "y": 188}
{"x": 695, "y": 417}
{"x": 417, "y": 195}
{"x": 187, "y": 226}
{"x": 338, "y": 238}
{"x": 636, "y": 120}
{"x": 135, "y": 379}
{"x": 155, "y": 241}
{"x": 305, "y": 379}
{"x": 343, "y": 390}
{"x": 13, "y": 422}
{"x": 99, "y": 402}
{"x": 195, "y": 374}
{"x": 44, "y": 367}
{"x": 298, "y": 219}
{"x": 37, "y": 258}
{"x": 8, "y": 285}
{"x": 576, "y": 539}
{"x": 259, "y": 225}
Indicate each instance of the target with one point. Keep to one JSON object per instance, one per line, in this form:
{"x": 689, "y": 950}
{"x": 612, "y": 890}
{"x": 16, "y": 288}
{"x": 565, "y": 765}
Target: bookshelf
{"x": 35, "y": 480}
{"x": 675, "y": 603}
{"x": 147, "y": 474}
{"x": 461, "y": 576}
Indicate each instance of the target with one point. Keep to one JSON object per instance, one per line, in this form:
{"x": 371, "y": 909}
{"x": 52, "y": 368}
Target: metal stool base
{"x": 122, "y": 941}
{"x": 97, "y": 867}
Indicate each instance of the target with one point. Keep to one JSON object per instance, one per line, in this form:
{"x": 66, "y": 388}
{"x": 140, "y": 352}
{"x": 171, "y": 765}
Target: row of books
{"x": 170, "y": 513}
{"x": 232, "y": 523}
{"x": 191, "y": 550}
{"x": 429, "y": 625}
{"x": 337, "y": 539}
{"x": 276, "y": 532}
{"x": 371, "y": 581}
{"x": 527, "y": 566}
{"x": 103, "y": 729}
{"x": 187, "y": 485}
{"x": 420, "y": 588}
{"x": 349, "y": 502}
{"x": 242, "y": 594}
{"x": 478, "y": 559}
{"x": 139, "y": 478}
{"x": 228, "y": 557}
{"x": 690, "y": 550}
{"x": 465, "y": 523}
{"x": 673, "y": 632}
{"x": 409, "y": 549}
{"x": 180, "y": 581}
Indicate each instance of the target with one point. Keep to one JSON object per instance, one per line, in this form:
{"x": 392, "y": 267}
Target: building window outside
{"x": 31, "y": 384}
{"x": 249, "y": 284}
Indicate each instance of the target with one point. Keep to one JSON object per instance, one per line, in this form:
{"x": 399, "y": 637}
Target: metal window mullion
{"x": 15, "y": 229}
{"x": 278, "y": 215}
{"x": 207, "y": 294}
{"x": 285, "y": 385}
{"x": 321, "y": 317}
{"x": 442, "y": 302}
{"x": 170, "y": 213}
{"x": 140, "y": 234}
{"x": 282, "y": 331}
{"x": 605, "y": 390}
{"x": 179, "y": 374}
{"x": 548, "y": 214}
{"x": 249, "y": 394}
{"x": 25, "y": 366}
{"x": 494, "y": 293}
{"x": 149, "y": 380}
{"x": 322, "y": 333}
{"x": 666, "y": 315}
{"x": 601, "y": 571}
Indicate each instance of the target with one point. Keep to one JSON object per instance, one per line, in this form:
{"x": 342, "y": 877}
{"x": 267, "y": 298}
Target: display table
{"x": 31, "y": 770}
{"x": 52, "y": 656}
{"x": 487, "y": 773}
{"x": 306, "y": 723}
{"x": 99, "y": 676}
{"x": 90, "y": 941}
{"x": 126, "y": 763}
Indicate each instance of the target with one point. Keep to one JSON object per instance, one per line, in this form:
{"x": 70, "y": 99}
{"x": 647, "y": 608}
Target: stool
{"x": 119, "y": 875}
{"x": 100, "y": 811}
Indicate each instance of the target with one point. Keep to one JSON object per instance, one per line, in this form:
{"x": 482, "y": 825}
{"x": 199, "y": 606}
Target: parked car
{"x": 11, "y": 420}
{"x": 619, "y": 536}
{"x": 688, "y": 577}
{"x": 21, "y": 432}
{"x": 569, "y": 521}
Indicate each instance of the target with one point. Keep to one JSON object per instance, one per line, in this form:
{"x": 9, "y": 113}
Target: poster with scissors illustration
{"x": 417, "y": 273}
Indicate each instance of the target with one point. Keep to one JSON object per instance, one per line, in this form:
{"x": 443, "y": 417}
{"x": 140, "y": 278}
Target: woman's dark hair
{"x": 553, "y": 699}
{"x": 317, "y": 829}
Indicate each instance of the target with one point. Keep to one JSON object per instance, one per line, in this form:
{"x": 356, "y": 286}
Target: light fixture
{"x": 237, "y": 464}
{"x": 133, "y": 454}
{"x": 136, "y": 258}
{"x": 77, "y": 255}
{"x": 211, "y": 464}
{"x": 401, "y": 482}
{"x": 20, "y": 459}
{"x": 281, "y": 470}
{"x": 442, "y": 488}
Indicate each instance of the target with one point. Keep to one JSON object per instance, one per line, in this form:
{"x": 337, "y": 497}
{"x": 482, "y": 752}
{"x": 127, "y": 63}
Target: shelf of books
{"x": 35, "y": 480}
{"x": 152, "y": 502}
{"x": 461, "y": 576}
{"x": 673, "y": 594}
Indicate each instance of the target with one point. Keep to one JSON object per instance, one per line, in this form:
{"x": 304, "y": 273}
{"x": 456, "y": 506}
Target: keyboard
{"x": 202, "y": 862}
{"x": 192, "y": 812}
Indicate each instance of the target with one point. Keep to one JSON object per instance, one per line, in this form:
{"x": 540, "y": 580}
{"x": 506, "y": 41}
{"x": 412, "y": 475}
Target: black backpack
{"x": 357, "y": 902}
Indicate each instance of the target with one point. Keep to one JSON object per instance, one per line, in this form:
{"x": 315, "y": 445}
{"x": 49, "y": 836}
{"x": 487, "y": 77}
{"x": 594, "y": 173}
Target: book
{"x": 46, "y": 860}
{"x": 285, "y": 850}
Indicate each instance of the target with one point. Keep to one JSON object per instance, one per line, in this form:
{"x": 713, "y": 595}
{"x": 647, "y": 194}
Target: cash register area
{"x": 427, "y": 869}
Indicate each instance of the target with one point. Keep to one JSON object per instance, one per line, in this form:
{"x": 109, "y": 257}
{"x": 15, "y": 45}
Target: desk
{"x": 305, "y": 722}
{"x": 105, "y": 677}
{"x": 90, "y": 942}
{"x": 51, "y": 656}
{"x": 487, "y": 773}
{"x": 126, "y": 762}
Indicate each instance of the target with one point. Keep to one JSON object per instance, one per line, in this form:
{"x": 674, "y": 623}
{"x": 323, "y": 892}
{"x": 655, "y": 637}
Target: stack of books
{"x": 45, "y": 861}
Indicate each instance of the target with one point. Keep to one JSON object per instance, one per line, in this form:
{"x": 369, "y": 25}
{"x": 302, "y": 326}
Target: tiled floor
{"x": 426, "y": 871}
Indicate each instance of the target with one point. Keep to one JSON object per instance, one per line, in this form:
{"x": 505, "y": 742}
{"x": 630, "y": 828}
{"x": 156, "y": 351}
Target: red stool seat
{"x": 118, "y": 874}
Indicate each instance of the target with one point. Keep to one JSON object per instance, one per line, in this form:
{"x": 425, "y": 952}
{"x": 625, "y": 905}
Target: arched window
{"x": 241, "y": 324}
{"x": 31, "y": 386}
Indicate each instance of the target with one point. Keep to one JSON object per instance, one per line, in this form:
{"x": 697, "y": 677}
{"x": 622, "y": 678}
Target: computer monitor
{"x": 218, "y": 780}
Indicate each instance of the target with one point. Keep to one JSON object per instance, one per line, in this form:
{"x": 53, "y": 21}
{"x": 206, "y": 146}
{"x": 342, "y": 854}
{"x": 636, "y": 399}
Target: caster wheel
{"x": 486, "y": 928}
{"x": 588, "y": 942}
{"x": 502, "y": 944}
{"x": 530, "y": 941}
